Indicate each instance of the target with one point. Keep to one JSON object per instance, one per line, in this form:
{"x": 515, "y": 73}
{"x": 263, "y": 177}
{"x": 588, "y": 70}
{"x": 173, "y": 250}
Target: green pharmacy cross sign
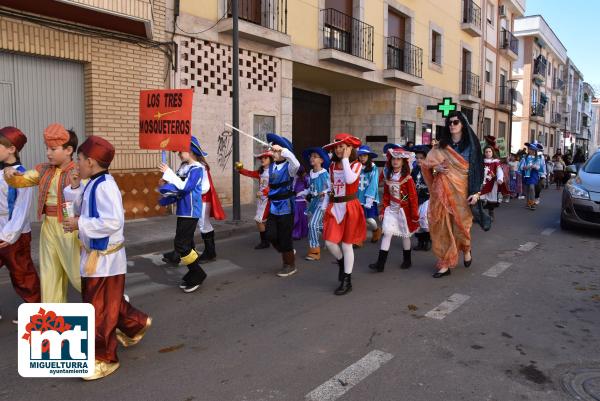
{"x": 445, "y": 107}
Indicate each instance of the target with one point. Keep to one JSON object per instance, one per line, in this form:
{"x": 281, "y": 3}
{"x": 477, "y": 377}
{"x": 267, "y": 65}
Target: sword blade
{"x": 248, "y": 135}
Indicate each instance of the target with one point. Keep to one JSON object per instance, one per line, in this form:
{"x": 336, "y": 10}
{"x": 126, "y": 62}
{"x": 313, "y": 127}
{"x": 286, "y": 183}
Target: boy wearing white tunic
{"x": 103, "y": 260}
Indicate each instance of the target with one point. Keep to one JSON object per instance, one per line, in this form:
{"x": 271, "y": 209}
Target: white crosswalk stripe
{"x": 528, "y": 246}
{"x": 341, "y": 383}
{"x": 448, "y": 306}
{"x": 497, "y": 269}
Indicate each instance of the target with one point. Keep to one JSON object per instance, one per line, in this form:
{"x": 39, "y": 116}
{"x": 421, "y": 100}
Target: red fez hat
{"x": 343, "y": 138}
{"x": 97, "y": 148}
{"x": 14, "y": 136}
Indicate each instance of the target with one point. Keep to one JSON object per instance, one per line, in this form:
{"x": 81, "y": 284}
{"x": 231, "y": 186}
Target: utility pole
{"x": 236, "y": 111}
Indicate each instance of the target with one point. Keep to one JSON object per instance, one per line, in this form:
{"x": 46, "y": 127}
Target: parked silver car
{"x": 581, "y": 197}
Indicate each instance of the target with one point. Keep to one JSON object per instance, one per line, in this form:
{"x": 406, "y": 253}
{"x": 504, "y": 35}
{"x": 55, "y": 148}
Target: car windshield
{"x": 593, "y": 165}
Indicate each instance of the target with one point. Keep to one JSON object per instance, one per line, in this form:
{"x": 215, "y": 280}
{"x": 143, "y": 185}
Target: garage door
{"x": 35, "y": 92}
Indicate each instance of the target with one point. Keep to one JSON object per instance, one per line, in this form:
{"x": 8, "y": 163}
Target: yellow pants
{"x": 59, "y": 261}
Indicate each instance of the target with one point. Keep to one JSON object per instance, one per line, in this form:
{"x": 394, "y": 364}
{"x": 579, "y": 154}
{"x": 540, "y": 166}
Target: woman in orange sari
{"x": 453, "y": 170}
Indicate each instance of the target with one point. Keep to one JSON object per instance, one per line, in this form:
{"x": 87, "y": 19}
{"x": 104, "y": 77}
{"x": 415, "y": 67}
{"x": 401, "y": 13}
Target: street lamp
{"x": 513, "y": 86}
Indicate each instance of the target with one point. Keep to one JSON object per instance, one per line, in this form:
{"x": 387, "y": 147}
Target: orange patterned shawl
{"x": 450, "y": 217}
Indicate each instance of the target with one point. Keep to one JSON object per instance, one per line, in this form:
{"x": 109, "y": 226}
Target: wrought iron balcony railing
{"x": 537, "y": 110}
{"x": 509, "y": 41}
{"x": 470, "y": 84}
{"x": 349, "y": 35}
{"x": 270, "y": 14}
{"x": 471, "y": 13}
{"x": 405, "y": 57}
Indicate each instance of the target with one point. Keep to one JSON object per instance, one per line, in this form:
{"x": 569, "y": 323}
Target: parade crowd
{"x": 431, "y": 192}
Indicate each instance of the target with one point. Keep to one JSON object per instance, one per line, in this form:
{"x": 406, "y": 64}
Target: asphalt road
{"x": 523, "y": 323}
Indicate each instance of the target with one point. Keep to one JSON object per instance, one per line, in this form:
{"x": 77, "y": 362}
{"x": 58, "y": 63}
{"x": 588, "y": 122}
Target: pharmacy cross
{"x": 446, "y": 106}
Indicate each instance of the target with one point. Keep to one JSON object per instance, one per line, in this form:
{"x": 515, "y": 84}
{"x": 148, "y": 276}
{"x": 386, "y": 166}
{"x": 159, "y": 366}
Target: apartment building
{"x": 539, "y": 96}
{"x": 501, "y": 50}
{"x": 82, "y": 63}
{"x": 595, "y": 141}
{"x": 313, "y": 68}
{"x": 572, "y": 108}
{"x": 585, "y": 140}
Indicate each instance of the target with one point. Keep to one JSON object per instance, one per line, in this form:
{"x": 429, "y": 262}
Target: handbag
{"x": 481, "y": 216}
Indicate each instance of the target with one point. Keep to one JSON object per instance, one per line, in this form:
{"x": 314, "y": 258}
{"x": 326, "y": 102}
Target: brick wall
{"x": 115, "y": 71}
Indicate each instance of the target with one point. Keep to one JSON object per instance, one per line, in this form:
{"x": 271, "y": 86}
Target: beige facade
{"x": 313, "y": 68}
{"x": 116, "y": 67}
{"x": 501, "y": 49}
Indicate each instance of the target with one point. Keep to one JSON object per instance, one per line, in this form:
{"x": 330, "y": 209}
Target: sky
{"x": 575, "y": 22}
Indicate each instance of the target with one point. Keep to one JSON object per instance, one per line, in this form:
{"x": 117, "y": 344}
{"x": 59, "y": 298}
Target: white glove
{"x": 369, "y": 202}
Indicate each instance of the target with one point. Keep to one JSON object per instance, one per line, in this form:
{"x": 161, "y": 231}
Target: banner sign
{"x": 166, "y": 119}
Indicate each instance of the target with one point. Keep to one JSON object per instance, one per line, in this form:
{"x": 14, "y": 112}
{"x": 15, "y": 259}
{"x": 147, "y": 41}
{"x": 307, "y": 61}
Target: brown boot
{"x": 313, "y": 254}
{"x": 376, "y": 235}
{"x": 289, "y": 264}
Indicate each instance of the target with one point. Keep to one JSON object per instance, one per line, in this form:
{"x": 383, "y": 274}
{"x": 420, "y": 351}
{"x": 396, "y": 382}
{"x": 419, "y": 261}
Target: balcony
{"x": 132, "y": 17}
{"x": 557, "y": 86}
{"x": 347, "y": 41}
{"x": 470, "y": 88}
{"x": 263, "y": 21}
{"x": 538, "y": 112}
{"x": 556, "y": 120}
{"x": 539, "y": 70}
{"x": 509, "y": 45}
{"x": 404, "y": 62}
{"x": 504, "y": 97}
{"x": 471, "y": 22}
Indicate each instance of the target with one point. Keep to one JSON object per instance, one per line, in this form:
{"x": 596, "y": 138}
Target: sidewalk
{"x": 157, "y": 233}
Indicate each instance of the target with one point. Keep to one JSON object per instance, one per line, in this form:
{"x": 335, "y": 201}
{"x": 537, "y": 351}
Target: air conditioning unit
{"x": 502, "y": 11}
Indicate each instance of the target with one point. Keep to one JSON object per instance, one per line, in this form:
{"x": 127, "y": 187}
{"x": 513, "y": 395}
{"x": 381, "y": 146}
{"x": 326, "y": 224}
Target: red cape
{"x": 216, "y": 210}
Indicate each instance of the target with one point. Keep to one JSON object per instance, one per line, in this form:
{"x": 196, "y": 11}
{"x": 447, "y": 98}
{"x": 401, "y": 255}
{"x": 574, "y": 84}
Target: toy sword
{"x": 249, "y": 136}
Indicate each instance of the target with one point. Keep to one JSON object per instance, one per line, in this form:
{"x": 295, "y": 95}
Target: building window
{"x": 408, "y": 130}
{"x": 532, "y": 136}
{"x": 490, "y": 14}
{"x": 487, "y": 126}
{"x": 489, "y": 67}
{"x": 501, "y": 129}
{"x": 436, "y": 47}
{"x": 468, "y": 112}
{"x": 551, "y": 140}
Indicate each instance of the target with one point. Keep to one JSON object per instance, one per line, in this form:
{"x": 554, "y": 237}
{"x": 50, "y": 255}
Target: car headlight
{"x": 577, "y": 191}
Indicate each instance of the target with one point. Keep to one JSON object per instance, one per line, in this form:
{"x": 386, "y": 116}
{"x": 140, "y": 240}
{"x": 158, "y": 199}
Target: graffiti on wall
{"x": 224, "y": 148}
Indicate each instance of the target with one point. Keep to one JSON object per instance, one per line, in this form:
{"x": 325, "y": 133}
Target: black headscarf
{"x": 469, "y": 139}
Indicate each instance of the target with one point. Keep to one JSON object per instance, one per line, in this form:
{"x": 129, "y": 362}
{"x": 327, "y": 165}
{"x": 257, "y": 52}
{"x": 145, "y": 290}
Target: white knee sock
{"x": 385, "y": 242}
{"x": 406, "y": 244}
{"x": 334, "y": 249}
{"x": 348, "y": 257}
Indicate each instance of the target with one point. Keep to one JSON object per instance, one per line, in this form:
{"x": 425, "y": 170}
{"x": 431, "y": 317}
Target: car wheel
{"x": 565, "y": 225}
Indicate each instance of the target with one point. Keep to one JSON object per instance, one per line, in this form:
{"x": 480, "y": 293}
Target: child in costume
{"x": 317, "y": 196}
{"x": 423, "y": 237}
{"x": 530, "y": 167}
{"x": 15, "y": 230}
{"x": 543, "y": 174}
{"x": 493, "y": 177}
{"x": 211, "y": 207}
{"x": 262, "y": 200}
{"x": 344, "y": 220}
{"x": 368, "y": 189}
{"x": 59, "y": 250}
{"x": 301, "y": 183}
{"x": 400, "y": 209}
{"x": 280, "y": 222}
{"x": 103, "y": 266}
{"x": 185, "y": 189}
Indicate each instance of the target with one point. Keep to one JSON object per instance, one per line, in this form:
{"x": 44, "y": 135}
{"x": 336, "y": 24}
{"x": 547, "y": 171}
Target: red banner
{"x": 166, "y": 119}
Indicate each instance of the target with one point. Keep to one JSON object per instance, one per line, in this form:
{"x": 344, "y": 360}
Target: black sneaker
{"x": 286, "y": 271}
{"x": 190, "y": 288}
